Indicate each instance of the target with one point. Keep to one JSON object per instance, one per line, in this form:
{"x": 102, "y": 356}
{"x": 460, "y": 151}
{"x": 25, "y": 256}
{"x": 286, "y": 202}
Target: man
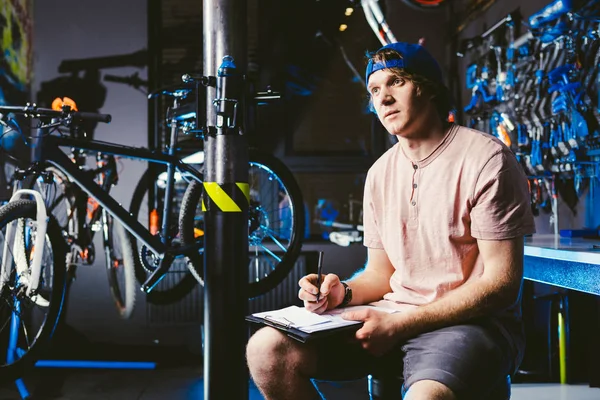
{"x": 445, "y": 212}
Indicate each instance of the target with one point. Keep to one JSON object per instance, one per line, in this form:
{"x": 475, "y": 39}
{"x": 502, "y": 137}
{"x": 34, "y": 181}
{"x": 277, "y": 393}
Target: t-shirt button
{"x": 414, "y": 203}
{"x": 415, "y": 166}
{"x": 414, "y": 185}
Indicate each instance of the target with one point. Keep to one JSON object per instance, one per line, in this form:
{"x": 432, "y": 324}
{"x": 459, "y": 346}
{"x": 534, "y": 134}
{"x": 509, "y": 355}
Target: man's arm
{"x": 497, "y": 289}
{"x": 371, "y": 283}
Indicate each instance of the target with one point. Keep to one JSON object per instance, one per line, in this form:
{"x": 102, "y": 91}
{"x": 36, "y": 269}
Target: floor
{"x": 185, "y": 382}
{"x": 178, "y": 376}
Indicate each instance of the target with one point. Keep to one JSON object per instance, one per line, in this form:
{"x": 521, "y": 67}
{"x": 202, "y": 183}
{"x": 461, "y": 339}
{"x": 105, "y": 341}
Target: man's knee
{"x": 268, "y": 348}
{"x": 264, "y": 344}
{"x": 429, "y": 389}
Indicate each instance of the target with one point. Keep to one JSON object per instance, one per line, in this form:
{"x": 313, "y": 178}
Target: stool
{"x": 390, "y": 387}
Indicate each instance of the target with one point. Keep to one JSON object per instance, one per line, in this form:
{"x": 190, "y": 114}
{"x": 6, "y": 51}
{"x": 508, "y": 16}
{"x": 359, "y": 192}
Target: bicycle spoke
{"x": 269, "y": 252}
{"x": 273, "y": 221}
{"x": 282, "y": 247}
{"x": 273, "y": 232}
{"x": 25, "y": 333}
{"x": 4, "y": 326}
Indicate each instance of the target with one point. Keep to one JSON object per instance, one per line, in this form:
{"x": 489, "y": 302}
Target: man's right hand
{"x": 331, "y": 296}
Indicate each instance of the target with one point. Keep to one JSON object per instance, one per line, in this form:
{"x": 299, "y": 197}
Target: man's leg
{"x": 282, "y": 367}
{"x": 464, "y": 362}
{"x": 430, "y": 390}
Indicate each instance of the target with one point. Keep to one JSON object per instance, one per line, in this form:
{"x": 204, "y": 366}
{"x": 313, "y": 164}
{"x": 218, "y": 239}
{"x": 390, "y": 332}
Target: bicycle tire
{"x": 35, "y": 341}
{"x": 426, "y": 5}
{"x": 166, "y": 291}
{"x": 120, "y": 266}
{"x": 262, "y": 282}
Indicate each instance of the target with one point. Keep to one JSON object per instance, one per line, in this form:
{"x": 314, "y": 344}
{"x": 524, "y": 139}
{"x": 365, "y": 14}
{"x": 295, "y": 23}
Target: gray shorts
{"x": 470, "y": 359}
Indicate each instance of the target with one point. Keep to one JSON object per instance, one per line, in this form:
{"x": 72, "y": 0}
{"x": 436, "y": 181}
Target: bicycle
{"x": 273, "y": 191}
{"x": 80, "y": 217}
{"x": 263, "y": 214}
{"x": 160, "y": 248}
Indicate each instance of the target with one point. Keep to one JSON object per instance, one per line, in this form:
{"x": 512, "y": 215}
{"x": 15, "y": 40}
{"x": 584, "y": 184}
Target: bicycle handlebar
{"x": 131, "y": 80}
{"x": 93, "y": 117}
{"x": 66, "y": 115}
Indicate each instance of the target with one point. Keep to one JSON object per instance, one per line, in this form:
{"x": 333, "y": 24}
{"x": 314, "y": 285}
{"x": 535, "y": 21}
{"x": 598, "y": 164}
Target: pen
{"x": 319, "y": 273}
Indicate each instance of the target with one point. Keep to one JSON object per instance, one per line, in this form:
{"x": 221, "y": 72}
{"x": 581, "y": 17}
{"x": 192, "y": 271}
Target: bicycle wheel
{"x": 275, "y": 227}
{"x": 426, "y": 5}
{"x": 27, "y": 322}
{"x": 120, "y": 265}
{"x": 178, "y": 281}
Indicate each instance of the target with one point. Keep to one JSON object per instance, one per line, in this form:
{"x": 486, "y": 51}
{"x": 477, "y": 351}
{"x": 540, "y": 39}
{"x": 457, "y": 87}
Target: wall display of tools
{"x": 535, "y": 84}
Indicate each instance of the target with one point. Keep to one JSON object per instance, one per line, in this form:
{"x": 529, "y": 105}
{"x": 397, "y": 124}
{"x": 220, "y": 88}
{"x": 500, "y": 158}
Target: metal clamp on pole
{"x": 229, "y": 85}
{"x": 225, "y": 201}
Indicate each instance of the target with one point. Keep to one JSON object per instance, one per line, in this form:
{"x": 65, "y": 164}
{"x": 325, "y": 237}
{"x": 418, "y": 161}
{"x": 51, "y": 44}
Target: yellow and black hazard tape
{"x": 226, "y": 197}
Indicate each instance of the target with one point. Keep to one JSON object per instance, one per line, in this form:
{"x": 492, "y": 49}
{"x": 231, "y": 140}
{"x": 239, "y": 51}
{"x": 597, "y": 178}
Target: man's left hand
{"x": 379, "y": 332}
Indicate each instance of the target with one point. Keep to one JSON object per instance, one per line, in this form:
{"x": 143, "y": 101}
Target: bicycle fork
{"x": 23, "y": 276}
{"x": 20, "y": 258}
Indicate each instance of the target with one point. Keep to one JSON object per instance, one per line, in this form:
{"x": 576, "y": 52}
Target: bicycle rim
{"x": 178, "y": 281}
{"x": 120, "y": 267}
{"x": 27, "y": 322}
{"x": 275, "y": 226}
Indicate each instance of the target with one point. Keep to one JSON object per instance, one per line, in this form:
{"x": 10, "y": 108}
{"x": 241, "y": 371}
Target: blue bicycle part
{"x": 550, "y": 13}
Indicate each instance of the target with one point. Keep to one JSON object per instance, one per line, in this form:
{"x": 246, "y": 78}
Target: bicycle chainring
{"x": 148, "y": 259}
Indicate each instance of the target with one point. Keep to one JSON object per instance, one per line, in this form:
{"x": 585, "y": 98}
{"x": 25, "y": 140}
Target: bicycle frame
{"x": 50, "y": 148}
{"x": 106, "y": 175}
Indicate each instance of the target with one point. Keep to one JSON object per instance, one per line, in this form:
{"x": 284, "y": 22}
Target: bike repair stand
{"x": 13, "y": 352}
{"x": 226, "y": 200}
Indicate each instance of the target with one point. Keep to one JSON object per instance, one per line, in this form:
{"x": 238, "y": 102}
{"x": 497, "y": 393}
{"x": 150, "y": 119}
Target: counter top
{"x": 572, "y": 263}
{"x": 566, "y": 249}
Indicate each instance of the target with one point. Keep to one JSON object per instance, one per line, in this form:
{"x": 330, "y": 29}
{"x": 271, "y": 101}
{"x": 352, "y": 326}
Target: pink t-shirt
{"x": 427, "y": 215}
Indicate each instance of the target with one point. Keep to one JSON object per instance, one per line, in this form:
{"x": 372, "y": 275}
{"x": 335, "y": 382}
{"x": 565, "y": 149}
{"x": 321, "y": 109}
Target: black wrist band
{"x": 347, "y": 295}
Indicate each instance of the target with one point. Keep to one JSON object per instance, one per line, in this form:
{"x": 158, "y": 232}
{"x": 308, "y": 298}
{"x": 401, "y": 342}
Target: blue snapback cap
{"x": 414, "y": 59}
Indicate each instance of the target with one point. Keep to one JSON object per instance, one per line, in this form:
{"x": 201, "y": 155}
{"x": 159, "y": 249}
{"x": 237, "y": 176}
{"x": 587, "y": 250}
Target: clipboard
{"x": 300, "y": 335}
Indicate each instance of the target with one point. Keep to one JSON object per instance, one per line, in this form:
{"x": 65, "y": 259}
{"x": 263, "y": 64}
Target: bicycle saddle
{"x": 174, "y": 90}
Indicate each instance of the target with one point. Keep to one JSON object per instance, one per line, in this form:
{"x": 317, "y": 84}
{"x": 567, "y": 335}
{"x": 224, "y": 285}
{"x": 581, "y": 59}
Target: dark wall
{"x": 410, "y": 25}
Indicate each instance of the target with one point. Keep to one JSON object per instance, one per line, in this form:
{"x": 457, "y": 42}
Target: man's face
{"x": 398, "y": 107}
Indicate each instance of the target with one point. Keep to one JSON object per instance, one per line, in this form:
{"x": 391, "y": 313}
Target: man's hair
{"x": 436, "y": 91}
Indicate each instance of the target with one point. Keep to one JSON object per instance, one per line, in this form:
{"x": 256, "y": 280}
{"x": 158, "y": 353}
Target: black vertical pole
{"x": 226, "y": 202}
{"x": 154, "y": 22}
